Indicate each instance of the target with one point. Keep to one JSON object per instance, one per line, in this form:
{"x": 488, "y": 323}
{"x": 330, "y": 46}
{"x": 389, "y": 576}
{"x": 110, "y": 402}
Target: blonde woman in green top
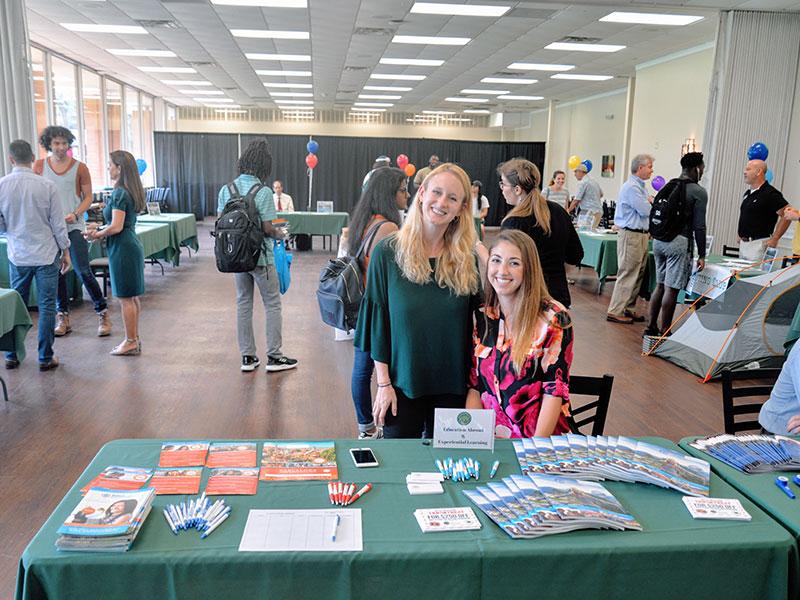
{"x": 415, "y": 319}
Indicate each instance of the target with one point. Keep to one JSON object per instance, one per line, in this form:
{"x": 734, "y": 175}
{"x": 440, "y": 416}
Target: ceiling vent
{"x": 352, "y": 68}
{"x": 373, "y": 31}
{"x": 158, "y": 24}
{"x": 576, "y": 39}
{"x": 200, "y": 63}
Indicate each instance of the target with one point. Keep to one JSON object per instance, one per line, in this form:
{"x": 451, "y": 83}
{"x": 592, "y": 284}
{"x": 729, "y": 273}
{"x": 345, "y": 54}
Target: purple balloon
{"x": 658, "y": 182}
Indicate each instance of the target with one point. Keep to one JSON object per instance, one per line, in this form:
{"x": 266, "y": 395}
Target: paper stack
{"x": 753, "y": 453}
{"x": 420, "y": 484}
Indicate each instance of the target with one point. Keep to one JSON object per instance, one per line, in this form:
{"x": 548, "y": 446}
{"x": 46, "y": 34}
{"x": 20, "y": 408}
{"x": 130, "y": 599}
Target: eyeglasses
{"x": 403, "y": 189}
{"x": 503, "y": 184}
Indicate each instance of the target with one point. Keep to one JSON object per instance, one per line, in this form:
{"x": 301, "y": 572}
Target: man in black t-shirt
{"x": 761, "y": 206}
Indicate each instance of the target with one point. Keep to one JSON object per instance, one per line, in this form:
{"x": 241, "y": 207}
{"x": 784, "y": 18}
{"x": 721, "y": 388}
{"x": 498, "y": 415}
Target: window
{"x": 39, "y": 94}
{"x": 148, "y": 177}
{"x": 172, "y": 118}
{"x": 113, "y": 119}
{"x": 133, "y": 119}
{"x": 93, "y": 151}
{"x": 65, "y": 98}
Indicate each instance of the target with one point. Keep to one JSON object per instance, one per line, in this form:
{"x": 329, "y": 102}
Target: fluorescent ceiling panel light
{"x": 512, "y": 97}
{"x": 508, "y": 80}
{"x": 367, "y": 110}
{"x": 281, "y": 57}
{"x": 167, "y": 69}
{"x": 411, "y": 62}
{"x": 490, "y": 92}
{"x": 150, "y": 53}
{"x": 477, "y": 111}
{"x": 292, "y": 94}
{"x": 203, "y": 92}
{"x": 270, "y": 34}
{"x": 397, "y": 77}
{"x": 284, "y": 73}
{"x": 467, "y": 100}
{"x": 282, "y": 101}
{"x": 38, "y": 78}
{"x": 459, "y": 10}
{"x": 431, "y": 39}
{"x": 386, "y": 88}
{"x": 378, "y": 97}
{"x": 215, "y": 100}
{"x": 650, "y": 18}
{"x": 582, "y": 77}
{"x": 232, "y": 111}
{"x": 438, "y": 112}
{"x": 374, "y": 104}
{"x": 224, "y": 106}
{"x": 459, "y": 119}
{"x": 185, "y": 82}
{"x": 99, "y": 28}
{"x": 274, "y": 84}
{"x": 523, "y": 66}
{"x": 263, "y": 3}
{"x": 573, "y": 47}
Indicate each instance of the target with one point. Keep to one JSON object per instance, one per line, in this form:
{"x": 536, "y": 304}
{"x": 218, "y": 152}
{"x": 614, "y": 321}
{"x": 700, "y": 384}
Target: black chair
{"x": 732, "y": 251}
{"x": 99, "y": 267}
{"x": 765, "y": 381}
{"x": 599, "y": 387}
{"x": 789, "y": 260}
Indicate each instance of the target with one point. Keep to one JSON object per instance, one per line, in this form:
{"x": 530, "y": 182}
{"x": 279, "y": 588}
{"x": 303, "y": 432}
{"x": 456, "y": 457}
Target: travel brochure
{"x": 177, "y": 480}
{"x": 536, "y": 505}
{"x": 753, "y": 453}
{"x": 183, "y": 454}
{"x": 298, "y": 461}
{"x": 119, "y": 478}
{"x": 232, "y": 482}
{"x": 232, "y": 454}
{"x": 614, "y": 458}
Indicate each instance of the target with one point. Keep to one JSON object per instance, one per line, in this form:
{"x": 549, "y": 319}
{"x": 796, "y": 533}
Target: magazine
{"x": 752, "y": 453}
{"x": 230, "y": 481}
{"x": 119, "y": 478}
{"x": 459, "y": 518}
{"x": 231, "y": 454}
{"x": 298, "y": 461}
{"x": 177, "y": 480}
{"x": 183, "y": 454}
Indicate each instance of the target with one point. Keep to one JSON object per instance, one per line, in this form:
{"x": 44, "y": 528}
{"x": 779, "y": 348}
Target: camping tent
{"x": 746, "y": 325}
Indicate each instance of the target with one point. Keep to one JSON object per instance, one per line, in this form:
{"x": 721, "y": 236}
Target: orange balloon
{"x": 410, "y": 169}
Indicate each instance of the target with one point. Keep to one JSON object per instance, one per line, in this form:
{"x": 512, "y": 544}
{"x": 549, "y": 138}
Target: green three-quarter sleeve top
{"x": 423, "y": 332}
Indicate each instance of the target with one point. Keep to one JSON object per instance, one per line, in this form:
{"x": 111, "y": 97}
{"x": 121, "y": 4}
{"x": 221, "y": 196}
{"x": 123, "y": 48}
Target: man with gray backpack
{"x": 245, "y": 211}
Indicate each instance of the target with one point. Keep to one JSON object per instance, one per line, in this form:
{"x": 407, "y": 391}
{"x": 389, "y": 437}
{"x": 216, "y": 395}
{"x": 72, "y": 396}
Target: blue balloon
{"x": 312, "y": 146}
{"x": 141, "y": 165}
{"x": 758, "y": 151}
{"x": 588, "y": 164}
{"x": 769, "y": 175}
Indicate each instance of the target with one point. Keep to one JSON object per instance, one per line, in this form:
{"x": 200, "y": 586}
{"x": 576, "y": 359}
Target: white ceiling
{"x": 348, "y": 37}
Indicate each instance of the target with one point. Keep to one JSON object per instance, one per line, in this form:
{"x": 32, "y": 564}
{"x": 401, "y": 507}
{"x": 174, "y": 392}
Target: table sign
{"x": 153, "y": 209}
{"x": 714, "y": 277}
{"x": 463, "y": 428}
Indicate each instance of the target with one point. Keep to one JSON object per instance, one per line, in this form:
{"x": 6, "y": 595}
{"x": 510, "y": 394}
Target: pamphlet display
{"x": 232, "y": 454}
{"x": 183, "y": 454}
{"x": 298, "y": 461}
{"x": 753, "y": 453}
{"x": 241, "y": 482}
{"x": 177, "y": 480}
{"x": 119, "y": 478}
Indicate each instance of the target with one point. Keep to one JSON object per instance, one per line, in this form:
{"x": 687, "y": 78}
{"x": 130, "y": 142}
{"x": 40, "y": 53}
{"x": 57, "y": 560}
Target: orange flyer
{"x": 177, "y": 481}
{"x": 298, "y": 461}
{"x": 119, "y": 478}
{"x": 231, "y": 454}
{"x": 183, "y": 454}
{"x": 232, "y": 482}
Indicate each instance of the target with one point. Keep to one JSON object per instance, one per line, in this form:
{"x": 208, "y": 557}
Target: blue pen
{"x": 477, "y": 470}
{"x": 335, "y": 527}
{"x": 783, "y": 483}
{"x": 796, "y": 479}
{"x": 493, "y": 471}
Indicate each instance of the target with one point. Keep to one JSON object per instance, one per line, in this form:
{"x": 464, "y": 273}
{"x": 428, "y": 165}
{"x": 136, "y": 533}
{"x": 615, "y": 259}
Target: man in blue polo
{"x": 781, "y": 413}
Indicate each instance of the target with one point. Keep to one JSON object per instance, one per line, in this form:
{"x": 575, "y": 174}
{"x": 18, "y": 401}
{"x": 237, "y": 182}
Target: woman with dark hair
{"x": 547, "y": 223}
{"x": 523, "y": 344}
{"x": 121, "y": 512}
{"x": 125, "y": 252}
{"x": 556, "y": 191}
{"x": 376, "y": 216}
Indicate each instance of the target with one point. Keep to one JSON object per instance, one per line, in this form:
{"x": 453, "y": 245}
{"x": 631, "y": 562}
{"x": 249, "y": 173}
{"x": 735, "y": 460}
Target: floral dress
{"x": 517, "y": 398}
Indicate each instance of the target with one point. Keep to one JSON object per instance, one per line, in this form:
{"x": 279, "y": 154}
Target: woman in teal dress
{"x": 125, "y": 252}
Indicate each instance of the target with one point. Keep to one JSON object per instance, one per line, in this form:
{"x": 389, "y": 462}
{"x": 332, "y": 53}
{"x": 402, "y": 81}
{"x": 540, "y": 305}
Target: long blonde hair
{"x": 525, "y": 174}
{"x": 533, "y": 298}
{"x": 455, "y": 268}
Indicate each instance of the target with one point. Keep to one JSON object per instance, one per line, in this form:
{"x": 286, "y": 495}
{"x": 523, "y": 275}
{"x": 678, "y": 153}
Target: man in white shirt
{"x": 283, "y": 202}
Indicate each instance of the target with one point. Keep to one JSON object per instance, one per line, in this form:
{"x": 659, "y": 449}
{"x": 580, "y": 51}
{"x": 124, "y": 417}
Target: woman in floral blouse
{"x": 523, "y": 344}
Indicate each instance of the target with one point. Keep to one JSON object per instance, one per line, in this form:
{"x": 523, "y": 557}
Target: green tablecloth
{"x": 674, "y": 556}
{"x": 14, "y": 323}
{"x": 600, "y": 254}
{"x": 312, "y": 223}
{"x": 182, "y": 230}
{"x": 74, "y": 290}
{"x": 156, "y": 241}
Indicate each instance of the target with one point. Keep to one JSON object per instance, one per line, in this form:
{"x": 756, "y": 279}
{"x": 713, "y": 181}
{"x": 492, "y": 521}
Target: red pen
{"x": 330, "y": 492}
{"x": 360, "y": 493}
{"x": 339, "y": 492}
{"x": 349, "y": 488}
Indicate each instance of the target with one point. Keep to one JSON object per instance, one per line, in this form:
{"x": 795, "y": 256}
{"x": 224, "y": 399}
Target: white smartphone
{"x": 363, "y": 457}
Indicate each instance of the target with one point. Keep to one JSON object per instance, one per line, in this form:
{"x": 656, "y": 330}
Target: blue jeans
{"x": 46, "y": 285}
{"x": 79, "y": 251}
{"x": 360, "y": 382}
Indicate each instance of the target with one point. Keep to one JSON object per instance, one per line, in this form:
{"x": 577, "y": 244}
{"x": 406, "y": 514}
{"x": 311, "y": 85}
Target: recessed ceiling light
{"x": 214, "y": 100}
{"x": 98, "y": 28}
{"x": 282, "y": 101}
{"x": 367, "y": 110}
{"x": 203, "y": 92}
{"x": 284, "y": 73}
{"x": 650, "y": 18}
{"x": 397, "y": 77}
{"x": 185, "y": 82}
{"x": 167, "y": 69}
{"x": 292, "y": 94}
{"x": 490, "y": 92}
{"x": 460, "y": 10}
{"x": 411, "y": 62}
{"x": 386, "y": 88}
{"x": 264, "y": 3}
{"x": 513, "y": 97}
{"x": 270, "y": 34}
{"x": 438, "y": 112}
{"x": 511, "y": 80}
{"x": 477, "y": 111}
{"x": 575, "y": 47}
{"x": 150, "y": 53}
{"x": 523, "y": 66}
{"x": 376, "y": 104}
{"x": 274, "y": 84}
{"x": 378, "y": 97}
{"x": 467, "y": 100}
{"x": 282, "y": 57}
{"x": 582, "y": 77}
{"x": 431, "y": 40}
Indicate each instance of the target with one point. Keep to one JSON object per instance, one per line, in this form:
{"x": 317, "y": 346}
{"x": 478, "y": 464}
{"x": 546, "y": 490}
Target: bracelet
{"x": 383, "y": 385}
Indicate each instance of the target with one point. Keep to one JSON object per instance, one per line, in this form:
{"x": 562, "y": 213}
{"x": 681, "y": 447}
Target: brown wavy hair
{"x": 523, "y": 173}
{"x": 129, "y": 179}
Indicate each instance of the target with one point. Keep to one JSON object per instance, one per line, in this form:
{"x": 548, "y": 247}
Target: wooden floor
{"x": 187, "y": 384}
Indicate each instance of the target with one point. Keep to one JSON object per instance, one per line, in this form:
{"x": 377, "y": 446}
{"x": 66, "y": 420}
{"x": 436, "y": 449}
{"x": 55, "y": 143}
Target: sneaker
{"x": 12, "y": 363}
{"x": 62, "y": 324}
{"x": 250, "y": 363}
{"x": 104, "y": 326}
{"x": 49, "y": 365}
{"x": 376, "y": 434}
{"x": 280, "y": 364}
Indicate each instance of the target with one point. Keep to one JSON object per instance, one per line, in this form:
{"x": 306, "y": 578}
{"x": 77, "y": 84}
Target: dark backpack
{"x": 669, "y": 213}
{"x": 341, "y": 286}
{"x": 239, "y": 237}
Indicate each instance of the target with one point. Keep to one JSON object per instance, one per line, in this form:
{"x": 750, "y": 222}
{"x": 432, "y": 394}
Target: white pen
{"x": 335, "y": 527}
{"x": 169, "y": 522}
{"x": 216, "y": 524}
{"x": 219, "y": 516}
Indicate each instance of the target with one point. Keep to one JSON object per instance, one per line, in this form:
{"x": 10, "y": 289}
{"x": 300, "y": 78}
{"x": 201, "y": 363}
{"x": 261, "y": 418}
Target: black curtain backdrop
{"x": 196, "y": 165}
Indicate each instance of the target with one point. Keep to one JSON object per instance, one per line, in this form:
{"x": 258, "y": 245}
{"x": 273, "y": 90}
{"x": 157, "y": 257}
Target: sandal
{"x": 134, "y": 350}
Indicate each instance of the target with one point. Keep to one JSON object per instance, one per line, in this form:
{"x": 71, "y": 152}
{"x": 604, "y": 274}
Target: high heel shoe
{"x": 133, "y": 351}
